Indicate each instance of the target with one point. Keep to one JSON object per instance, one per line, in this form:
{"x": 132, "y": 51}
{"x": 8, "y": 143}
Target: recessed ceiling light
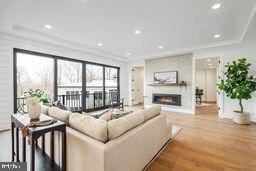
{"x": 216, "y": 36}
{"x": 160, "y": 47}
{"x": 48, "y": 26}
{"x": 208, "y": 60}
{"x": 128, "y": 54}
{"x": 100, "y": 44}
{"x": 216, "y": 6}
{"x": 210, "y": 64}
{"x": 136, "y": 31}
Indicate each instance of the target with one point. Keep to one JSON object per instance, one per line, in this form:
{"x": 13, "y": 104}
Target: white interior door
{"x": 137, "y": 86}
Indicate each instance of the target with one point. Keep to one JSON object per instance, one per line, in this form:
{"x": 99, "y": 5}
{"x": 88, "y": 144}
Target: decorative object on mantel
{"x": 166, "y": 77}
{"x": 34, "y": 98}
{"x": 239, "y": 84}
{"x": 183, "y": 83}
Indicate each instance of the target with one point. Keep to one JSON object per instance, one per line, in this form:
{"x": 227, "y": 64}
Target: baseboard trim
{"x": 5, "y": 127}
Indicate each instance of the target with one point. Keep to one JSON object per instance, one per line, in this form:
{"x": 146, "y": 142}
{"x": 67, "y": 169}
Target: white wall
{"x": 8, "y": 42}
{"x": 211, "y": 85}
{"x": 206, "y": 80}
{"x": 230, "y": 53}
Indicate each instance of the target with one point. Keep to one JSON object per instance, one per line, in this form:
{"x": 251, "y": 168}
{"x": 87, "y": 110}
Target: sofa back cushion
{"x": 59, "y": 114}
{"x": 121, "y": 125}
{"x": 106, "y": 116}
{"x": 151, "y": 111}
{"x": 95, "y": 128}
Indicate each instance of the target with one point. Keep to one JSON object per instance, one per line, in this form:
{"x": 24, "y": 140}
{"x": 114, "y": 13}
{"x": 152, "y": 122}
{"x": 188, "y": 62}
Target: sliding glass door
{"x": 33, "y": 72}
{"x": 78, "y": 85}
{"x": 111, "y": 85}
{"x": 94, "y": 86}
{"x": 69, "y": 81}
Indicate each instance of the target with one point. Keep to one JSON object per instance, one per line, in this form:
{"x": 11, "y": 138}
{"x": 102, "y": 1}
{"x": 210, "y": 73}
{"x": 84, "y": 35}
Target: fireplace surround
{"x": 166, "y": 99}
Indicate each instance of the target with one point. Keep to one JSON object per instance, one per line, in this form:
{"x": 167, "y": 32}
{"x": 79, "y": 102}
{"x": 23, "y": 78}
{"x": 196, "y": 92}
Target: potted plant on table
{"x": 240, "y": 85}
{"x": 34, "y": 98}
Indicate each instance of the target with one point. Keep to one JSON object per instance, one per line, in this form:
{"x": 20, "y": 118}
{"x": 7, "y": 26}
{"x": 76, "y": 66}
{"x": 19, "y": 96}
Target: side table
{"x": 19, "y": 121}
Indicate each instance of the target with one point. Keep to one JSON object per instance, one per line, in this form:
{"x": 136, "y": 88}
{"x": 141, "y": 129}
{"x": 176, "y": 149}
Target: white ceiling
{"x": 177, "y": 25}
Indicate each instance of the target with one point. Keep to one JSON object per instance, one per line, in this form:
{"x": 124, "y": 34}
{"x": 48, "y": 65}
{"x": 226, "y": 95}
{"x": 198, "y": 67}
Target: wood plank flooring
{"x": 208, "y": 143}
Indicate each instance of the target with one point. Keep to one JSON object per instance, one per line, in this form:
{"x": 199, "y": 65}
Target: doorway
{"x": 206, "y": 79}
{"x": 137, "y": 86}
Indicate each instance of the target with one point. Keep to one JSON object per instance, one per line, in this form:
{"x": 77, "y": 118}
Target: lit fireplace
{"x": 167, "y": 99}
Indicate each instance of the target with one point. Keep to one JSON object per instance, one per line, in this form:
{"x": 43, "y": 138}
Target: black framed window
{"x": 79, "y": 85}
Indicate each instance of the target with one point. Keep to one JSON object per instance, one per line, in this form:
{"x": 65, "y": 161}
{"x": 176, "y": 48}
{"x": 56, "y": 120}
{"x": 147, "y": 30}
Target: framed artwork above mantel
{"x": 166, "y": 77}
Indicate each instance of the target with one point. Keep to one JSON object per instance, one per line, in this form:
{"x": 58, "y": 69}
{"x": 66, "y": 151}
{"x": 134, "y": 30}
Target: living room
{"x": 128, "y": 85}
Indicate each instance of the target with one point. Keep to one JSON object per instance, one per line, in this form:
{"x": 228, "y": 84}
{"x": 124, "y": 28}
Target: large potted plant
{"x": 240, "y": 85}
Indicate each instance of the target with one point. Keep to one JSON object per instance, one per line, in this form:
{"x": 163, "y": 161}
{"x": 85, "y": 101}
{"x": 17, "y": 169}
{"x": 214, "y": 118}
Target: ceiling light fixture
{"x": 48, "y": 26}
{"x": 136, "y": 31}
{"x": 128, "y": 54}
{"x": 216, "y": 6}
{"x": 208, "y": 60}
{"x": 160, "y": 47}
{"x": 211, "y": 67}
{"x": 210, "y": 64}
{"x": 216, "y": 36}
{"x": 100, "y": 44}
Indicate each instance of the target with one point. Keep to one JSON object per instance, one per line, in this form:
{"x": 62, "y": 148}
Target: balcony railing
{"x": 75, "y": 102}
{"x": 21, "y": 105}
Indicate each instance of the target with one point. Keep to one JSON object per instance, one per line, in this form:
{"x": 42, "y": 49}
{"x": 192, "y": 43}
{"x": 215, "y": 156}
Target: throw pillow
{"x": 59, "y": 105}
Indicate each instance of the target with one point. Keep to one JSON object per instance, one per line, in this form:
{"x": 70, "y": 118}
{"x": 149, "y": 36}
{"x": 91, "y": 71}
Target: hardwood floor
{"x": 208, "y": 143}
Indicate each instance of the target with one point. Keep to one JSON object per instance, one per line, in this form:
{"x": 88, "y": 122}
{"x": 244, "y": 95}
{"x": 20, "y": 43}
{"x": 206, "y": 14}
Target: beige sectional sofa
{"x": 128, "y": 143}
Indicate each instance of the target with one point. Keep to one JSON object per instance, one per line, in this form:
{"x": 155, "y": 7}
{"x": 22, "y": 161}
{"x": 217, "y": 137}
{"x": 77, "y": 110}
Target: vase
{"x": 34, "y": 111}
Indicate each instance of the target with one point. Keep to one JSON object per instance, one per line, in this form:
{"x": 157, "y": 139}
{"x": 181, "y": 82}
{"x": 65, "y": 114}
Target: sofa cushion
{"x": 106, "y": 116}
{"x": 121, "y": 125}
{"x": 151, "y": 111}
{"x": 45, "y": 109}
{"x": 59, "y": 114}
{"x": 95, "y": 128}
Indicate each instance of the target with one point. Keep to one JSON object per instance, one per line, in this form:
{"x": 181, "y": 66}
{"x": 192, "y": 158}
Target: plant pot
{"x": 34, "y": 111}
{"x": 241, "y": 118}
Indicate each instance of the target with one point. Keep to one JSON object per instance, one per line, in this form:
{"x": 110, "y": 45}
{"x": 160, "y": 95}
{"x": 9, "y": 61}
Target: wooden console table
{"x": 19, "y": 121}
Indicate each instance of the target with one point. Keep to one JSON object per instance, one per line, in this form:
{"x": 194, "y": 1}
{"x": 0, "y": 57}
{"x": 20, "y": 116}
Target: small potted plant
{"x": 240, "y": 85}
{"x": 34, "y": 98}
